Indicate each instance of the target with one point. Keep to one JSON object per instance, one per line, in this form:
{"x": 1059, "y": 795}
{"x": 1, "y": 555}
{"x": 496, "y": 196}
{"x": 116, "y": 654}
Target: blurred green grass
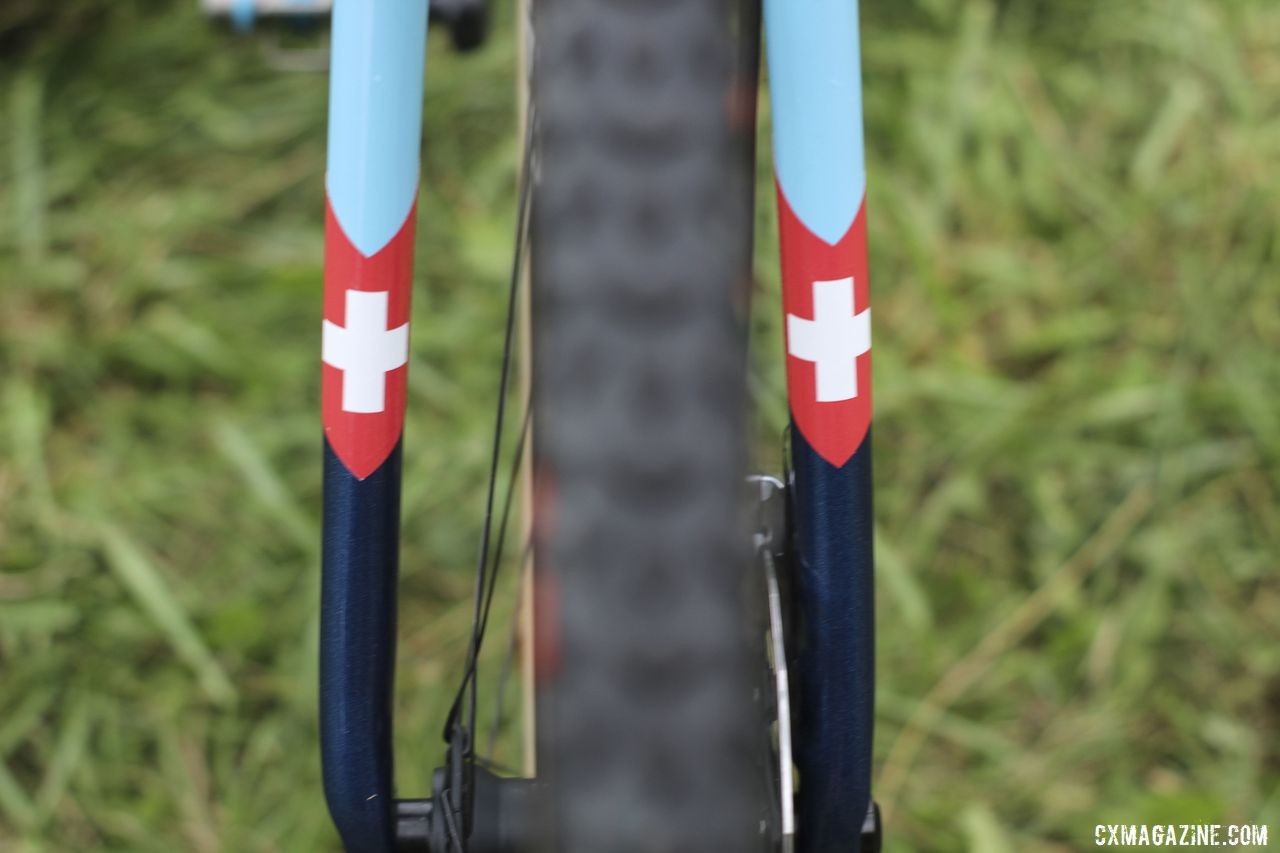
{"x": 1074, "y": 212}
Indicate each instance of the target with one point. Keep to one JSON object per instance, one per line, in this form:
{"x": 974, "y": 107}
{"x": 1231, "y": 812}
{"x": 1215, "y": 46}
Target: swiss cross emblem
{"x": 365, "y": 346}
{"x": 365, "y": 351}
{"x": 828, "y": 334}
{"x": 832, "y": 340}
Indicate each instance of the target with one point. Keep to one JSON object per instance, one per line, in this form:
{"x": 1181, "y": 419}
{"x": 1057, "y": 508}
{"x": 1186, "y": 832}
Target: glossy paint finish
{"x": 362, "y": 436}
{"x": 375, "y": 116}
{"x": 376, "y": 73}
{"x": 357, "y": 649}
{"x": 835, "y": 662}
{"x": 815, "y": 89}
{"x": 833, "y": 426}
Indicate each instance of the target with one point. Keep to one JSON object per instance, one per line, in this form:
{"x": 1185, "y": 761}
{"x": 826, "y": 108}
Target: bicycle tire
{"x": 648, "y": 738}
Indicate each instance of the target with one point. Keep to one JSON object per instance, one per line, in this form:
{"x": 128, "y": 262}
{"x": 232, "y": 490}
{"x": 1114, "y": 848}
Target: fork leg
{"x": 375, "y": 118}
{"x": 815, "y": 85}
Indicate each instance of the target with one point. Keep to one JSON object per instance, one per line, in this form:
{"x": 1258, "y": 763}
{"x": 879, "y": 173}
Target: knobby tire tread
{"x": 648, "y": 738}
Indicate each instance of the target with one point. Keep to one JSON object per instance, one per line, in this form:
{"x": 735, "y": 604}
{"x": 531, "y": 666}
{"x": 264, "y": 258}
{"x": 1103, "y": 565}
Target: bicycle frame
{"x": 375, "y": 121}
{"x": 816, "y": 97}
{"x": 376, "y": 78}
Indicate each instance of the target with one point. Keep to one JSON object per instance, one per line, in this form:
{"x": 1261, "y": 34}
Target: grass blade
{"x": 145, "y": 583}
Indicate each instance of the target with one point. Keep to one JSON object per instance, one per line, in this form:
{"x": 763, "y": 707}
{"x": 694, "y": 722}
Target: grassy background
{"x": 1075, "y": 242}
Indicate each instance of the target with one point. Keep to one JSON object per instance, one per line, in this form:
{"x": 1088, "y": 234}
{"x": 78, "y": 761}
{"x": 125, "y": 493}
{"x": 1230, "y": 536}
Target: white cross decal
{"x": 832, "y": 340}
{"x": 365, "y": 350}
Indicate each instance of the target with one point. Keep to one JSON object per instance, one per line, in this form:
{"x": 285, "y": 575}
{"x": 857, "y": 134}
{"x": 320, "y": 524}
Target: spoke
{"x": 466, "y": 690}
{"x": 508, "y": 660}
{"x": 516, "y": 458}
{"x": 460, "y": 725}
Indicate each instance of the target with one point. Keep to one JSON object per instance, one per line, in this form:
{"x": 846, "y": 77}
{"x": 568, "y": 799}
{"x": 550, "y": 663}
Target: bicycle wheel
{"x": 647, "y": 733}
